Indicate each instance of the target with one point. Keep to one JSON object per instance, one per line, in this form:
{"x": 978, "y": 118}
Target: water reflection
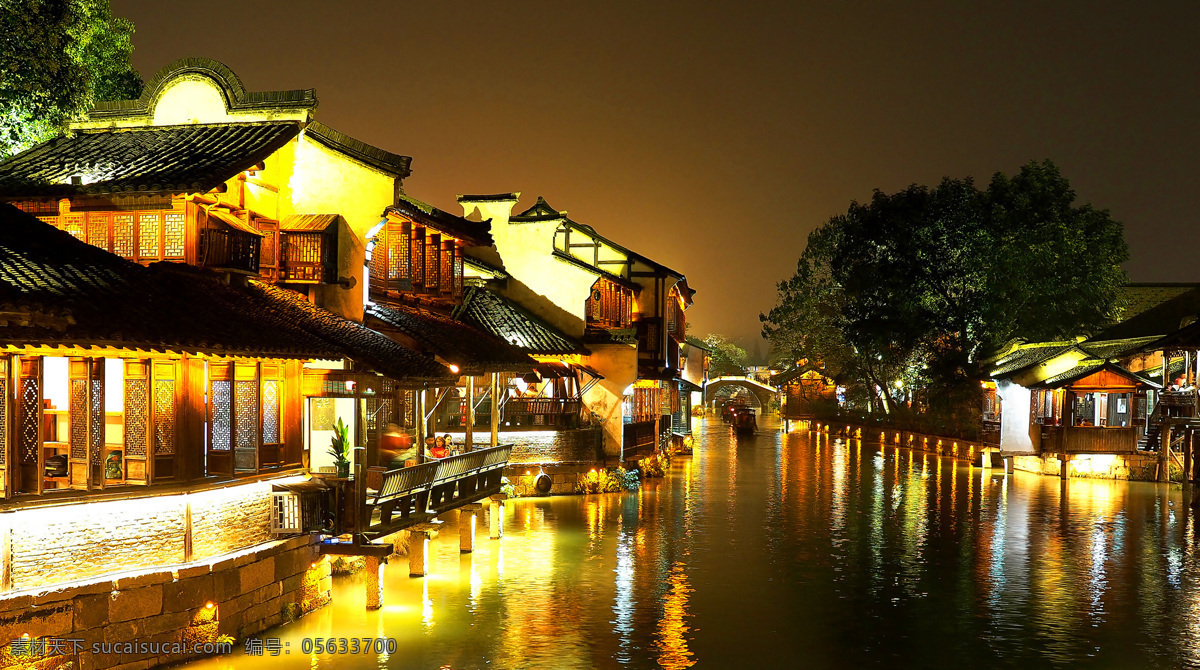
{"x": 797, "y": 550}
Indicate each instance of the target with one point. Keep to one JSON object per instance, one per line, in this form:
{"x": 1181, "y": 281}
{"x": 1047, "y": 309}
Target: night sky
{"x": 712, "y": 137}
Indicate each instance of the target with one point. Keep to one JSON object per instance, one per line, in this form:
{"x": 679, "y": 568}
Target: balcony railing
{"x": 516, "y": 414}
{"x": 229, "y": 250}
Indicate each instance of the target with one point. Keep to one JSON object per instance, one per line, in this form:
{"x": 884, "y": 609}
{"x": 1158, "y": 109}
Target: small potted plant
{"x": 340, "y": 449}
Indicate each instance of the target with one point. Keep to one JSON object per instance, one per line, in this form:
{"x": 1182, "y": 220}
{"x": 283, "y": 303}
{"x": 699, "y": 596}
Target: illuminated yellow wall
{"x": 527, "y": 250}
{"x": 618, "y": 364}
{"x": 50, "y": 545}
{"x": 303, "y": 177}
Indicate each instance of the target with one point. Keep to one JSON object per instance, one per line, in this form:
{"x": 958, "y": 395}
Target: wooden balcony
{"x": 1089, "y": 439}
{"x": 641, "y": 439}
{"x": 385, "y": 502}
{"x": 223, "y": 249}
{"x": 517, "y": 414}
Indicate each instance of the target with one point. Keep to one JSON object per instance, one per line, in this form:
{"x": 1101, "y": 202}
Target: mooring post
{"x": 373, "y": 579}
{"x": 467, "y": 515}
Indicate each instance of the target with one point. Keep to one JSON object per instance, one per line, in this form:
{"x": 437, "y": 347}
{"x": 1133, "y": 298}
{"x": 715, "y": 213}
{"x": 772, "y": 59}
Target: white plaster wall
{"x": 1015, "y": 434}
{"x": 618, "y": 364}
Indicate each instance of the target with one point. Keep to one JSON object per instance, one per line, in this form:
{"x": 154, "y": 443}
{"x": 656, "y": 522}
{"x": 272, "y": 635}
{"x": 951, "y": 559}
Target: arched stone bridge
{"x": 764, "y": 392}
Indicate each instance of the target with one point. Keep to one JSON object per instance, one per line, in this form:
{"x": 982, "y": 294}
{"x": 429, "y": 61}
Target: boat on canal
{"x": 744, "y": 421}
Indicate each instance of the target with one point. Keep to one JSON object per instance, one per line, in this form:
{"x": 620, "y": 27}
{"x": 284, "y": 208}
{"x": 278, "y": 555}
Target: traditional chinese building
{"x": 1120, "y": 404}
{"x": 625, "y": 308}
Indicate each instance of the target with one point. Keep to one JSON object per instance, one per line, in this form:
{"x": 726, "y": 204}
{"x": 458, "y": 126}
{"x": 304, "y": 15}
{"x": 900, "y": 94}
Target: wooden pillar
{"x": 418, "y": 553}
{"x": 373, "y": 580}
{"x": 467, "y": 520}
{"x": 1164, "y": 454}
{"x": 1187, "y": 458}
{"x": 470, "y": 431}
{"x": 419, "y": 399}
{"x": 496, "y": 518}
{"x": 495, "y": 424}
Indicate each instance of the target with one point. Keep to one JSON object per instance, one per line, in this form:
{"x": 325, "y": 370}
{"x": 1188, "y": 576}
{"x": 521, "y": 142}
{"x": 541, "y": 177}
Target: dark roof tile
{"x": 510, "y": 322}
{"x": 168, "y": 159}
{"x": 471, "y": 349}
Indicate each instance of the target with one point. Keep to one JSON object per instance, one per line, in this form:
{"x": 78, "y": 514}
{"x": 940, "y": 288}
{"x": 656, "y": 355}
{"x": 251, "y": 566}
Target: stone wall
{"x": 52, "y": 545}
{"x": 581, "y": 445}
{"x": 237, "y": 595}
{"x": 563, "y": 478}
{"x": 1133, "y": 467}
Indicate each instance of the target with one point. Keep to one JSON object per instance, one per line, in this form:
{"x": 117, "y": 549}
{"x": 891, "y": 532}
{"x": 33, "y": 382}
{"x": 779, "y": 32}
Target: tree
{"x": 916, "y": 287}
{"x": 727, "y": 357}
{"x": 60, "y": 57}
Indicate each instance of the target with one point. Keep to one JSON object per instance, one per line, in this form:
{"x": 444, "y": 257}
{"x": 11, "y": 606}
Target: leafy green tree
{"x": 917, "y": 286}
{"x": 727, "y": 357}
{"x": 59, "y": 58}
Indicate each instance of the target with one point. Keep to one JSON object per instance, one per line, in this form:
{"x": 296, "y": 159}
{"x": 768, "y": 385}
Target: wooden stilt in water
{"x": 1164, "y": 454}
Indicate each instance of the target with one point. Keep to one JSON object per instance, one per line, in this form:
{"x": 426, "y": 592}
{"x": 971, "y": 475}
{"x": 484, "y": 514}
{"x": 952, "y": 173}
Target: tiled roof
{"x": 1025, "y": 356}
{"x": 1087, "y": 367}
{"x": 510, "y": 322}
{"x": 1140, "y": 297}
{"x": 391, "y": 163}
{"x": 477, "y": 233}
{"x": 1162, "y": 319}
{"x": 355, "y": 341}
{"x": 1106, "y": 349}
{"x": 167, "y": 159}
{"x": 58, "y": 291}
{"x": 472, "y": 350}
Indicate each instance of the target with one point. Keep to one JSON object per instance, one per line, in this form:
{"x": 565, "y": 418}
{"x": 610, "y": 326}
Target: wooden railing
{"x": 407, "y": 496}
{"x": 640, "y": 439}
{"x": 516, "y": 414}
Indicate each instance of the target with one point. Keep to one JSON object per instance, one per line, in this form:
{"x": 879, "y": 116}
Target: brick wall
{"x": 249, "y": 592}
{"x": 230, "y": 519}
{"x": 52, "y": 545}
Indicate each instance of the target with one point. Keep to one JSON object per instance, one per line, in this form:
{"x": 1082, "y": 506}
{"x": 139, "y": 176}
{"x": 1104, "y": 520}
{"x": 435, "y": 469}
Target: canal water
{"x": 796, "y": 550}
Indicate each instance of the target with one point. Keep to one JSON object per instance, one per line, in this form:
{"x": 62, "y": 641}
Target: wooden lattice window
{"x": 417, "y": 256}
{"x": 447, "y": 267}
{"x": 174, "y": 231}
{"x": 164, "y": 417}
{"x": 97, "y": 230}
{"x": 609, "y": 305}
{"x": 149, "y": 236}
{"x": 73, "y": 223}
{"x": 246, "y": 424}
{"x": 270, "y": 411}
{"x": 458, "y": 272}
{"x": 433, "y": 244}
{"x": 137, "y": 409}
{"x": 78, "y": 409}
{"x": 221, "y": 406}
{"x": 123, "y": 236}
{"x": 96, "y": 409}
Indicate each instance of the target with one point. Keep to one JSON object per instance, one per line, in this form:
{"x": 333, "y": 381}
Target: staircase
{"x": 1150, "y": 441}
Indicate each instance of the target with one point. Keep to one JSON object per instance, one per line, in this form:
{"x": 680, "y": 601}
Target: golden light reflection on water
{"x": 778, "y": 551}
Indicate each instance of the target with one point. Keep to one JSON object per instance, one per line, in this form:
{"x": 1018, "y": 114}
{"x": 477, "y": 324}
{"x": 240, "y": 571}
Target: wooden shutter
{"x": 417, "y": 256}
{"x": 163, "y": 443}
{"x": 247, "y": 402}
{"x": 220, "y": 418}
{"x": 432, "y": 245}
{"x": 272, "y": 414}
{"x": 6, "y": 451}
{"x": 139, "y": 466}
{"x": 31, "y": 461}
